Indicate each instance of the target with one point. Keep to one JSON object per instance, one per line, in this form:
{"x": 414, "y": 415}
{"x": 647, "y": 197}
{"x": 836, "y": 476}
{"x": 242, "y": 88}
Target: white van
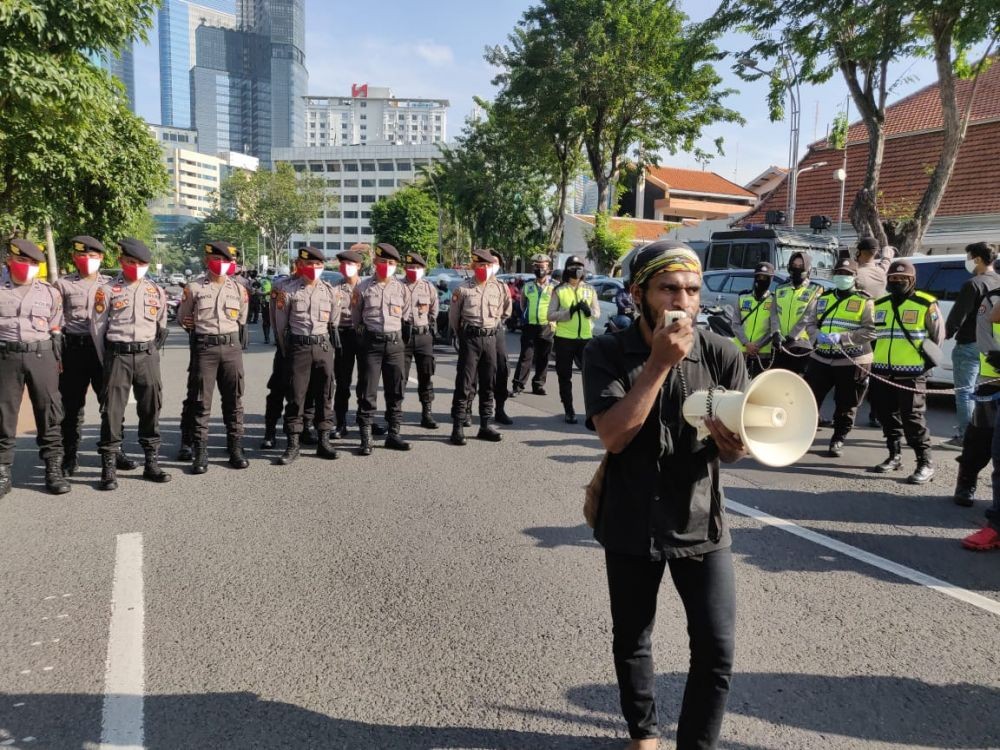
{"x": 942, "y": 276}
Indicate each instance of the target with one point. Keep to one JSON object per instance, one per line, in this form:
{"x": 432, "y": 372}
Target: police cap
{"x": 574, "y": 260}
{"x": 311, "y": 253}
{"x": 84, "y": 243}
{"x": 25, "y": 249}
{"x": 385, "y": 251}
{"x": 222, "y": 249}
{"x": 414, "y": 259}
{"x": 763, "y": 269}
{"x": 846, "y": 265}
{"x": 351, "y": 256}
{"x": 134, "y": 248}
{"x": 482, "y": 255}
{"x": 902, "y": 267}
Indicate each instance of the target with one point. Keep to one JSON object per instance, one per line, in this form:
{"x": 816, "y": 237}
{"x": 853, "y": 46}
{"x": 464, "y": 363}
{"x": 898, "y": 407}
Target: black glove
{"x": 161, "y": 337}
{"x": 335, "y": 337}
{"x": 993, "y": 360}
{"x": 584, "y": 309}
{"x": 58, "y": 344}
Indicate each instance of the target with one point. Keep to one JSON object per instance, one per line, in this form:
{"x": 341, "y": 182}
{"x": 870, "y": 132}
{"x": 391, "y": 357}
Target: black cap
{"x": 310, "y": 253}
{"x": 25, "y": 249}
{"x": 574, "y": 260}
{"x": 902, "y": 267}
{"x": 414, "y": 259}
{"x": 482, "y": 255}
{"x": 763, "y": 268}
{"x": 135, "y": 249}
{"x": 846, "y": 265}
{"x": 223, "y": 249}
{"x": 868, "y": 243}
{"x": 351, "y": 256}
{"x": 84, "y": 243}
{"x": 385, "y": 251}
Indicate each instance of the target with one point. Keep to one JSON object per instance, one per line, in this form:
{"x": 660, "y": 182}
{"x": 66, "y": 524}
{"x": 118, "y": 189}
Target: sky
{"x": 434, "y": 49}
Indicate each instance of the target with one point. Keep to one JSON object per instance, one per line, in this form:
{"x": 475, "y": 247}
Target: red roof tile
{"x": 695, "y": 181}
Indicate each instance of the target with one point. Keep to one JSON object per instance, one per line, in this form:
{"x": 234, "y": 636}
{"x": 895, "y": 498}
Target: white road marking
{"x": 18, "y": 705}
{"x": 25, "y": 671}
{"x": 943, "y": 587}
{"x": 37, "y": 643}
{"x": 124, "y": 673}
{"x": 47, "y": 669}
{"x": 48, "y": 598}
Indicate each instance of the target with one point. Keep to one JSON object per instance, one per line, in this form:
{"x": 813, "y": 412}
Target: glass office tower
{"x": 122, "y": 67}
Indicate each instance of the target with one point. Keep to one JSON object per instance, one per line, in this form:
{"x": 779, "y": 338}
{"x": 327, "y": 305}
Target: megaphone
{"x": 775, "y": 417}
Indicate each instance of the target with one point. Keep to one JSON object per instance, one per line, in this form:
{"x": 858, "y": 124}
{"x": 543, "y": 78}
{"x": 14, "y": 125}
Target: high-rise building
{"x": 122, "y": 67}
{"x": 372, "y": 115}
{"x": 178, "y": 21}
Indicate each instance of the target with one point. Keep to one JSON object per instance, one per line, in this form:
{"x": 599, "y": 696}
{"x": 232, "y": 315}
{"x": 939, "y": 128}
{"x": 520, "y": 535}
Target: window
{"x": 333, "y": 183}
{"x": 367, "y": 198}
{"x": 351, "y": 166}
{"x": 350, "y": 230}
{"x": 350, "y": 183}
{"x": 945, "y": 280}
{"x": 315, "y": 167}
{"x": 368, "y": 183}
{"x": 718, "y": 256}
{"x": 333, "y": 230}
{"x": 386, "y": 166}
{"x": 404, "y": 166}
{"x": 333, "y": 246}
{"x": 366, "y": 230}
{"x": 387, "y": 183}
{"x": 367, "y": 166}
{"x": 350, "y": 214}
{"x": 364, "y": 117}
{"x": 332, "y": 167}
{"x": 366, "y": 214}
{"x": 333, "y": 214}
{"x": 738, "y": 284}
{"x": 350, "y": 199}
{"x": 714, "y": 282}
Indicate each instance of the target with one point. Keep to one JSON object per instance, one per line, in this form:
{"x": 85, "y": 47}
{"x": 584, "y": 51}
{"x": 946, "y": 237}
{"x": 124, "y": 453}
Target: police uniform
{"x": 754, "y": 322}
{"x": 840, "y": 320}
{"x": 31, "y": 318}
{"x": 212, "y": 309}
{"x": 537, "y": 333}
{"x": 791, "y": 302}
{"x": 345, "y": 356}
{"x": 256, "y": 297}
{"x": 475, "y": 315}
{"x": 265, "y": 309}
{"x": 419, "y": 331}
{"x": 303, "y": 313}
{"x": 902, "y": 328}
{"x": 129, "y": 327}
{"x": 378, "y": 309}
{"x": 573, "y": 310}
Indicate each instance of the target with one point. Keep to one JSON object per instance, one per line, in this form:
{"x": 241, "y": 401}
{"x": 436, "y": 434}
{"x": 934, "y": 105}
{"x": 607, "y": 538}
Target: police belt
{"x": 220, "y": 339}
{"x": 419, "y": 330}
{"x": 26, "y": 346}
{"x": 390, "y": 337}
{"x": 129, "y": 347}
{"x": 298, "y": 340}
{"x": 78, "y": 340}
{"x": 475, "y": 332}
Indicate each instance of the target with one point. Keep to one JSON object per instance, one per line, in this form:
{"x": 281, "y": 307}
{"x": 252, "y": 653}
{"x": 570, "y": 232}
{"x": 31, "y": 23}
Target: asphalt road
{"x": 452, "y": 598}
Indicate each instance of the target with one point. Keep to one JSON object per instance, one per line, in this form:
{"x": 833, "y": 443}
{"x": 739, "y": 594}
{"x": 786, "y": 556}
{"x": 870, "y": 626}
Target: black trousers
{"x": 82, "y": 369}
{"x": 39, "y": 371}
{"x": 477, "y": 365}
{"x": 265, "y": 322}
{"x": 308, "y": 378}
{"x": 420, "y": 347}
{"x": 502, "y": 376}
{"x": 848, "y": 383}
{"x": 344, "y": 359}
{"x": 978, "y": 439}
{"x": 707, "y": 591}
{"x": 123, "y": 373}
{"x": 385, "y": 359}
{"x": 568, "y": 353}
{"x": 536, "y": 346}
{"x": 902, "y": 412}
{"x": 254, "y": 309}
{"x": 223, "y": 365}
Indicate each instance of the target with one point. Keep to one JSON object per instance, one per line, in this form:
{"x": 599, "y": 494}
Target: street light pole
{"x": 842, "y": 172}
{"x": 795, "y": 101}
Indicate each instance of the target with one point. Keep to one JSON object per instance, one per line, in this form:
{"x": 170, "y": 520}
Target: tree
{"x": 276, "y": 203}
{"x": 408, "y": 221}
{"x": 606, "y": 245}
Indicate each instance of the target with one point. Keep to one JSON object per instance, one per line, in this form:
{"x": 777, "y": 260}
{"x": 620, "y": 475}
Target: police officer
{"x": 346, "y": 354}
{"x": 753, "y": 321}
{"x": 256, "y": 296}
{"x": 791, "y": 300}
{"x": 536, "y": 335}
{"x": 379, "y": 306}
{"x": 31, "y": 317}
{"x": 80, "y": 366}
{"x": 305, "y": 307}
{"x": 573, "y": 308}
{"x": 905, "y": 320}
{"x": 419, "y": 332}
{"x": 129, "y": 327}
{"x": 500, "y": 392}
{"x": 841, "y": 322}
{"x": 212, "y": 310}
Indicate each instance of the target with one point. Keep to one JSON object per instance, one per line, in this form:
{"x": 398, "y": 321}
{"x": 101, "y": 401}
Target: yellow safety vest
{"x": 987, "y": 370}
{"x": 835, "y": 315}
{"x": 893, "y": 351}
{"x": 756, "y": 318}
{"x": 579, "y": 326}
{"x": 791, "y": 304}
{"x": 536, "y": 302}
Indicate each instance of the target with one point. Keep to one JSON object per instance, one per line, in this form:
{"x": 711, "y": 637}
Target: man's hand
{"x": 188, "y": 321}
{"x": 752, "y": 349}
{"x": 671, "y": 343}
{"x": 731, "y": 448}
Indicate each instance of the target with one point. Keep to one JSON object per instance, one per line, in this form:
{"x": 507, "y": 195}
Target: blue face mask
{"x": 843, "y": 282}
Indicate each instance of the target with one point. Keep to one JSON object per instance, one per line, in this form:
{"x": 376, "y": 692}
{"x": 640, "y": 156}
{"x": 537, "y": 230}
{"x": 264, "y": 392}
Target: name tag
{"x": 910, "y": 316}
{"x": 854, "y": 305}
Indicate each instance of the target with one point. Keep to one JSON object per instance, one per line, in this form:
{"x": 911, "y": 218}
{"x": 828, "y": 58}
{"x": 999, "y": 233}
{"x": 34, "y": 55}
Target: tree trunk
{"x": 864, "y": 213}
{"x": 559, "y": 216}
{"x": 50, "y": 247}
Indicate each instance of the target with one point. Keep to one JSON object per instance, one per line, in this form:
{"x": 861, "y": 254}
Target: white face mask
{"x": 350, "y": 270}
{"x": 843, "y": 282}
{"x": 494, "y": 269}
{"x": 32, "y": 273}
{"x": 970, "y": 265}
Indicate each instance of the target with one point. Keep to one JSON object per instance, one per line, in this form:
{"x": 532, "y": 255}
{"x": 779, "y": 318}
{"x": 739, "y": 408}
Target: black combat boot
{"x": 152, "y": 470}
{"x": 109, "y": 474}
{"x": 325, "y": 448}
{"x": 270, "y": 436}
{"x": 394, "y": 442}
{"x": 366, "y": 440}
{"x": 501, "y": 416}
{"x": 427, "y": 418}
{"x": 487, "y": 432}
{"x": 458, "y": 432}
{"x": 965, "y": 487}
{"x": 307, "y": 438}
{"x": 124, "y": 462}
{"x": 236, "y": 458}
{"x": 55, "y": 482}
{"x": 895, "y": 460}
{"x": 570, "y": 417}
{"x": 199, "y": 464}
{"x": 836, "y": 449}
{"x": 291, "y": 450}
{"x": 185, "y": 453}
{"x": 70, "y": 463}
{"x": 467, "y": 422}
{"x": 378, "y": 430}
{"x": 5, "y": 483}
{"x": 925, "y": 469}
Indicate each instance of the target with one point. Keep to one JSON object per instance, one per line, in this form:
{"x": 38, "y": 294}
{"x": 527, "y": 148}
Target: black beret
{"x": 135, "y": 249}
{"x": 848, "y": 265}
{"x": 764, "y": 268}
{"x": 26, "y": 249}
{"x": 310, "y": 253}
{"x": 385, "y": 251}
{"x": 414, "y": 259}
{"x": 351, "y": 256}
{"x": 868, "y": 243}
{"x": 902, "y": 268}
{"x": 83, "y": 243}
{"x": 224, "y": 249}
{"x": 481, "y": 255}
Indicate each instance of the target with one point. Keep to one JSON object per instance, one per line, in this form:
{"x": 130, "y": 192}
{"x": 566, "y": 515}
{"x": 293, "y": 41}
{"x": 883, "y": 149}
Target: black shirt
{"x": 662, "y": 498}
{"x": 961, "y": 321}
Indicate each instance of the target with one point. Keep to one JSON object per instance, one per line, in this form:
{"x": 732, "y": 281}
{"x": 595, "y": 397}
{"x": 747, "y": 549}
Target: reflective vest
{"x": 791, "y": 304}
{"x": 835, "y": 315}
{"x": 579, "y": 326}
{"x": 986, "y": 370}
{"x": 893, "y": 351}
{"x": 536, "y": 302}
{"x": 755, "y": 316}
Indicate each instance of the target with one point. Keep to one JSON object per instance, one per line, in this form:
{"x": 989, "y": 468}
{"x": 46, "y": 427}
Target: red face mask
{"x": 220, "y": 267}
{"x": 134, "y": 273}
{"x": 23, "y": 272}
{"x": 86, "y": 265}
{"x": 482, "y": 273}
{"x": 231, "y": 270}
{"x": 383, "y": 270}
{"x": 310, "y": 273}
{"x": 414, "y": 275}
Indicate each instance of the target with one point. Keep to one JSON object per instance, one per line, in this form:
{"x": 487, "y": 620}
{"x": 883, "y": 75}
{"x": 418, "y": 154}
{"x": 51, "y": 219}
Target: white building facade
{"x": 373, "y": 116}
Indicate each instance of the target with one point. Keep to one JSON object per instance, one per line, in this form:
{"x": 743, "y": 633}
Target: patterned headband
{"x": 672, "y": 259}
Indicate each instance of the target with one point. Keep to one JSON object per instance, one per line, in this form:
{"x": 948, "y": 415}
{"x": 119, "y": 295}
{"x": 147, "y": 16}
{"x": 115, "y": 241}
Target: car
{"x": 442, "y": 271}
{"x": 942, "y": 276}
{"x": 177, "y": 278}
{"x": 332, "y": 277}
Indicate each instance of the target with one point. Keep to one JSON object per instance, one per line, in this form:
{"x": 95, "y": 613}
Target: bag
{"x": 592, "y": 495}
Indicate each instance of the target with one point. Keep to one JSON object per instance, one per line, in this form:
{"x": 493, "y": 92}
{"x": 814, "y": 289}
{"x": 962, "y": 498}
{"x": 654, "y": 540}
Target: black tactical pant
{"x": 568, "y": 353}
{"x": 344, "y": 360}
{"x": 125, "y": 372}
{"x": 536, "y": 346}
{"x": 39, "y": 371}
{"x": 81, "y": 369}
{"x": 220, "y": 364}
{"x": 420, "y": 347}
{"x": 978, "y": 439}
{"x": 254, "y": 309}
{"x": 902, "y": 412}
{"x": 265, "y": 323}
{"x": 308, "y": 378}
{"x": 381, "y": 354}
{"x": 848, "y": 383}
{"x": 274, "y": 403}
{"x": 477, "y": 364}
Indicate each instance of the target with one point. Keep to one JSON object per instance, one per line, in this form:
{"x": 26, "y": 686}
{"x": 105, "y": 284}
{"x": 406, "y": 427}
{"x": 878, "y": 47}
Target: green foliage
{"x": 606, "y": 245}
{"x": 408, "y": 221}
{"x": 838, "y": 133}
{"x": 221, "y": 224}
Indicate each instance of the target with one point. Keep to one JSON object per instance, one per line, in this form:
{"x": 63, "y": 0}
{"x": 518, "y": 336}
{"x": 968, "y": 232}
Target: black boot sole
{"x": 161, "y": 478}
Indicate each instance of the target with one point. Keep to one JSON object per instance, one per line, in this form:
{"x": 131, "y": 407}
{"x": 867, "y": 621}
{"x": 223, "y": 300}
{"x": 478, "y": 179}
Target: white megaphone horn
{"x": 775, "y": 417}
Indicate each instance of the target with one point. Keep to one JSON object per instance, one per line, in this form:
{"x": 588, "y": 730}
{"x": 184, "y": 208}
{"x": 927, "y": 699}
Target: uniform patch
{"x": 120, "y": 303}
{"x": 767, "y": 305}
{"x": 910, "y": 316}
{"x": 454, "y": 297}
{"x": 821, "y": 305}
{"x": 854, "y": 305}
{"x": 396, "y": 309}
{"x": 279, "y": 300}
{"x": 880, "y": 316}
{"x": 747, "y": 304}
{"x": 234, "y": 314}
{"x": 152, "y": 311}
